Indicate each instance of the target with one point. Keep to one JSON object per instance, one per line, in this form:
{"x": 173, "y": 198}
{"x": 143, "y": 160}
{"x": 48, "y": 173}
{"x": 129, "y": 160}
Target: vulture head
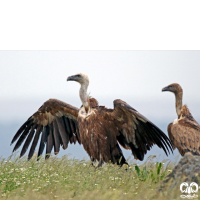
{"x": 80, "y": 77}
{"x": 174, "y": 87}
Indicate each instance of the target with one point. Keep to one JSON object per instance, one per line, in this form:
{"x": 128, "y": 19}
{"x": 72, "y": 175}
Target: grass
{"x": 63, "y": 178}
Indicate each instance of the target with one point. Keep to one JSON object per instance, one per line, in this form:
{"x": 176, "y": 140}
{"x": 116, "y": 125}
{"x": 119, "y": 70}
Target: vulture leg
{"x": 117, "y": 156}
{"x": 100, "y": 162}
{"x": 93, "y": 160}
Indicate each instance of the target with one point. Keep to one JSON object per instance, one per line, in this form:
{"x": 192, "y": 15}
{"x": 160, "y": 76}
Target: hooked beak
{"x": 71, "y": 78}
{"x": 165, "y": 89}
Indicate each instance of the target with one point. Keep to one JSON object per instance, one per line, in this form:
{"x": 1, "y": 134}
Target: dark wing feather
{"x": 37, "y": 134}
{"x": 185, "y": 135}
{"x": 50, "y": 142}
{"x": 56, "y": 121}
{"x": 63, "y": 132}
{"x": 23, "y": 136}
{"x": 67, "y": 126}
{"x": 56, "y": 136}
{"x": 72, "y": 126}
{"x": 77, "y": 135}
{"x": 28, "y": 140}
{"x": 43, "y": 141}
{"x": 22, "y": 128}
{"x": 136, "y": 132}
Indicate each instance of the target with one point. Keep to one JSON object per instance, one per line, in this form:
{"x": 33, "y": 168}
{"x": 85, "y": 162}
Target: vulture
{"x": 101, "y": 131}
{"x": 184, "y": 132}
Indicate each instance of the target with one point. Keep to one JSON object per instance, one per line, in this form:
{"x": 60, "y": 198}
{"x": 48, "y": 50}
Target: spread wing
{"x": 137, "y": 132}
{"x": 57, "y": 124}
{"x": 185, "y": 135}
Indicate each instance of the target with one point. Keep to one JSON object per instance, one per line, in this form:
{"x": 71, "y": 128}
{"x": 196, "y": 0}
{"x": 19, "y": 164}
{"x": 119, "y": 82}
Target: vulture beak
{"x": 71, "y": 78}
{"x": 165, "y": 89}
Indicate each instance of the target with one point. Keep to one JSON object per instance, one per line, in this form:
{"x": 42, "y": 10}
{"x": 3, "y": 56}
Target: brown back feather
{"x": 93, "y": 102}
{"x": 185, "y": 134}
{"x": 185, "y": 113}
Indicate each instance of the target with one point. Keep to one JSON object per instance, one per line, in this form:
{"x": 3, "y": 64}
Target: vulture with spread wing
{"x": 98, "y": 129}
{"x": 184, "y": 132}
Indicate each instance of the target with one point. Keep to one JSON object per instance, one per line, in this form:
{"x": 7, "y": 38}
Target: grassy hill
{"x": 63, "y": 178}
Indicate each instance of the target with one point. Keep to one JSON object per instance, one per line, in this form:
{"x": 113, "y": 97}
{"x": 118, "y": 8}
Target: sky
{"x": 28, "y": 78}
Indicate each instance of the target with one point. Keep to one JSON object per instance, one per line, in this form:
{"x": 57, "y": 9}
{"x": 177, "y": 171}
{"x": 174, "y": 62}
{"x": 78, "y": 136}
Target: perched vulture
{"x": 98, "y": 129}
{"x": 184, "y": 132}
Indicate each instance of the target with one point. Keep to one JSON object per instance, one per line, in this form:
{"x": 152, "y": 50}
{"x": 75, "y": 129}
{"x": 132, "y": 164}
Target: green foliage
{"x": 137, "y": 169}
{"x": 71, "y": 178}
{"x": 155, "y": 174}
{"x": 158, "y": 167}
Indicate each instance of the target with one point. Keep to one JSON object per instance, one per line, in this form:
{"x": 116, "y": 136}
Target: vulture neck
{"x": 179, "y": 97}
{"x": 84, "y": 97}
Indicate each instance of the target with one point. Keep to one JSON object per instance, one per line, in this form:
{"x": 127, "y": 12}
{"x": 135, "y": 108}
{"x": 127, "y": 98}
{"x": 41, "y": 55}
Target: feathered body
{"x": 98, "y": 134}
{"x": 184, "y": 132}
{"x": 98, "y": 129}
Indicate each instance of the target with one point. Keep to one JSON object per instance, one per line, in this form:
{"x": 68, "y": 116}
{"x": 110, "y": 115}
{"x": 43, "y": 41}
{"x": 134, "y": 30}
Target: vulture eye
{"x": 78, "y": 76}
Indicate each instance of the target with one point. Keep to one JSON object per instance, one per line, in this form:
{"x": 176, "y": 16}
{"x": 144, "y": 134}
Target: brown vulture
{"x": 98, "y": 129}
{"x": 184, "y": 132}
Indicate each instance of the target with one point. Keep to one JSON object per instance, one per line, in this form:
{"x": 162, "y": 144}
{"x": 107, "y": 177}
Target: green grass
{"x": 63, "y": 178}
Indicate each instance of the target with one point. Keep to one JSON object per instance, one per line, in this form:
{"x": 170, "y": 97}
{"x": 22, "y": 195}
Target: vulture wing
{"x": 57, "y": 124}
{"x": 171, "y": 137}
{"x": 137, "y": 132}
{"x": 185, "y": 135}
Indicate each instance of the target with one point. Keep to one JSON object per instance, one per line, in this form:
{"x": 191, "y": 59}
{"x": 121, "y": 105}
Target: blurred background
{"x": 28, "y": 78}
